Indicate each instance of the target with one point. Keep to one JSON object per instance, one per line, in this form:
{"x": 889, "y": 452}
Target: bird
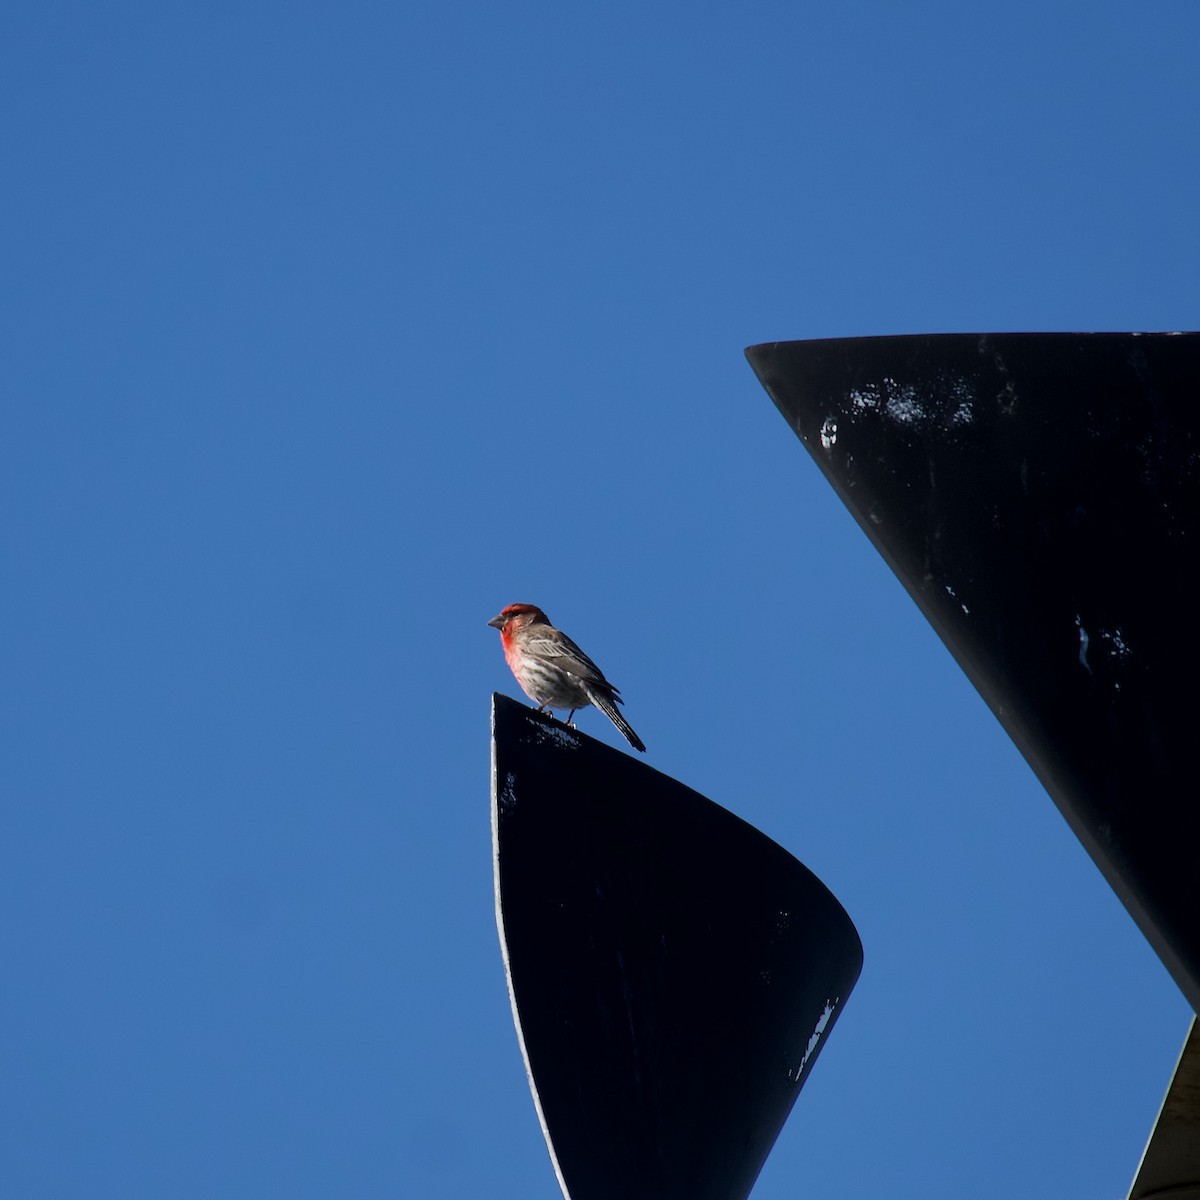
{"x": 552, "y": 671}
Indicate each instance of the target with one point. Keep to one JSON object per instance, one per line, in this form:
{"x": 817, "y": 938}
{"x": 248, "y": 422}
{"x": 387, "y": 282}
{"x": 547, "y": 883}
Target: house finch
{"x": 552, "y": 671}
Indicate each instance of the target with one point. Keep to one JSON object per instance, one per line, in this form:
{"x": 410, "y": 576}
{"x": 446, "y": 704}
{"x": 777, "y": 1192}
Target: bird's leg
{"x": 570, "y": 723}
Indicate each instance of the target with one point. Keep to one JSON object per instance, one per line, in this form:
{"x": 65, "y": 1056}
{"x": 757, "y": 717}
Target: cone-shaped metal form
{"x": 1039, "y": 497}
{"x": 673, "y": 972}
{"x": 1170, "y": 1166}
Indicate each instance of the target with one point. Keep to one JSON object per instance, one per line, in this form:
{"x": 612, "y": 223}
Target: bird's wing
{"x": 561, "y": 652}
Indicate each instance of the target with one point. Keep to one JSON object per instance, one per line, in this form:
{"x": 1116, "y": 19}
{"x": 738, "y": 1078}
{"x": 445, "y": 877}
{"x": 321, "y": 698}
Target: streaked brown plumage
{"x": 552, "y": 671}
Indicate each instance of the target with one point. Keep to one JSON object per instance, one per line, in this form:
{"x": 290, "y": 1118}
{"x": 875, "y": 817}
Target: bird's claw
{"x": 544, "y": 708}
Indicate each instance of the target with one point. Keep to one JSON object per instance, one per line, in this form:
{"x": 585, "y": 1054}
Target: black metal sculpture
{"x": 673, "y": 972}
{"x": 1039, "y": 497}
{"x": 1170, "y": 1166}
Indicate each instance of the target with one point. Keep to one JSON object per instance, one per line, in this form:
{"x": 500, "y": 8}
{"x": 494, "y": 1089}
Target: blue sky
{"x": 326, "y": 332}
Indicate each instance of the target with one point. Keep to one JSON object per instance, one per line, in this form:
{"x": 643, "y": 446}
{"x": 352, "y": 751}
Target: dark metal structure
{"x": 1039, "y": 497}
{"x": 1170, "y": 1166}
{"x": 673, "y": 972}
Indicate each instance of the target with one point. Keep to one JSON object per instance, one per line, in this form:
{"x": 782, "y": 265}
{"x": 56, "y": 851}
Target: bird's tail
{"x": 608, "y": 706}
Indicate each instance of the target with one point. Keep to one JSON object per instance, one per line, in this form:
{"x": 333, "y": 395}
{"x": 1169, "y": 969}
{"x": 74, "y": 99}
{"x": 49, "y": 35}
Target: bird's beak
{"x": 497, "y": 622}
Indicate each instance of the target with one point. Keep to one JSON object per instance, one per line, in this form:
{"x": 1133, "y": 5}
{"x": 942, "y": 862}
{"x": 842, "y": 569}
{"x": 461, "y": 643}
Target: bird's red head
{"x": 514, "y": 617}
